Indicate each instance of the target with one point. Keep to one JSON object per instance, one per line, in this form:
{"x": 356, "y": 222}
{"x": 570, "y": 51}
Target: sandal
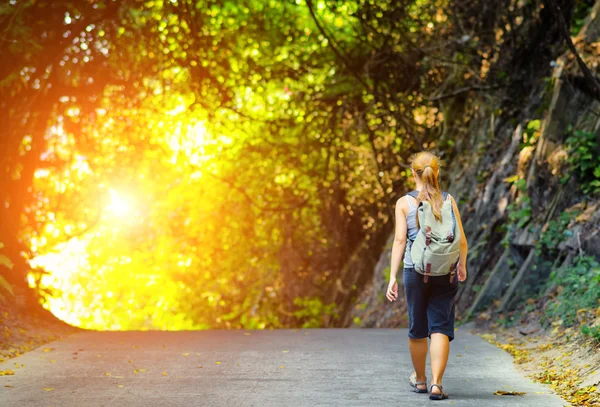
{"x": 414, "y": 383}
{"x": 441, "y": 396}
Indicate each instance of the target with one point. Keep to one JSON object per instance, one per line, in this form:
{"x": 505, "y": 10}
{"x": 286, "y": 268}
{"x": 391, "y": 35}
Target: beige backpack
{"x": 436, "y": 249}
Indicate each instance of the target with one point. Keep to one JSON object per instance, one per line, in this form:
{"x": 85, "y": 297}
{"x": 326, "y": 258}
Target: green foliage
{"x": 580, "y": 13}
{"x": 593, "y": 332}
{"x": 556, "y": 233}
{"x": 578, "y": 289}
{"x": 312, "y": 311}
{"x": 584, "y": 160}
{"x": 531, "y": 133}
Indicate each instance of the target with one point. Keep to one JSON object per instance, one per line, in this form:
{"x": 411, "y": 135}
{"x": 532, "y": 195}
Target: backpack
{"x": 436, "y": 249}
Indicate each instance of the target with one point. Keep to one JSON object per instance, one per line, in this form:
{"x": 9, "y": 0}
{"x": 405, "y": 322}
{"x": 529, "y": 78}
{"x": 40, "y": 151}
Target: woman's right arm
{"x": 464, "y": 246}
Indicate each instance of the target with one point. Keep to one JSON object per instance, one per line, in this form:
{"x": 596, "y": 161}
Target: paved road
{"x": 315, "y": 367}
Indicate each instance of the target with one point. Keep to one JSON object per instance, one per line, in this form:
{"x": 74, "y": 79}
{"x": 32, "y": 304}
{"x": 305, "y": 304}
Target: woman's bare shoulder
{"x": 402, "y": 204}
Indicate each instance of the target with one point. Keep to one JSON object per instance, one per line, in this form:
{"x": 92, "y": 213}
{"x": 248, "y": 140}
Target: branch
{"x": 331, "y": 41}
{"x": 463, "y": 90}
{"x": 564, "y": 29}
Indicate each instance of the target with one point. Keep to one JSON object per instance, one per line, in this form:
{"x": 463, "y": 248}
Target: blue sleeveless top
{"x": 412, "y": 230}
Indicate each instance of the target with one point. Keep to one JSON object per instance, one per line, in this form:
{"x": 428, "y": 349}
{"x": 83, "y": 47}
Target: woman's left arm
{"x": 397, "y": 248}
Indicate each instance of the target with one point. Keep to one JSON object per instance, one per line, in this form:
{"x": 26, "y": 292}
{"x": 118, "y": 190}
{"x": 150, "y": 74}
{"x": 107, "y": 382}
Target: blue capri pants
{"x": 430, "y": 305}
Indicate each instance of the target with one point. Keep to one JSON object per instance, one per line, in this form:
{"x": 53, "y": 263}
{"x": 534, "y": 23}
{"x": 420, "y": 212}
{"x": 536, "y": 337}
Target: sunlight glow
{"x": 62, "y": 265}
{"x": 119, "y": 206}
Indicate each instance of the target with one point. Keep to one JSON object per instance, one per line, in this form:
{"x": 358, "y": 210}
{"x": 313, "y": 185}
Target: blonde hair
{"x": 426, "y": 167}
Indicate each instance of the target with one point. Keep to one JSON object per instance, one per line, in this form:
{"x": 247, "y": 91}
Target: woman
{"x": 430, "y": 302}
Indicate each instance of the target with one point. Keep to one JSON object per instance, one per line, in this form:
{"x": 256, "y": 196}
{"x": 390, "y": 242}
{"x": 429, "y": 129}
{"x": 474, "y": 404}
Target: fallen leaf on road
{"x": 509, "y": 393}
{"x": 48, "y": 349}
{"x": 285, "y": 351}
{"x": 143, "y": 370}
{"x": 217, "y": 363}
{"x": 107, "y": 374}
{"x": 164, "y": 373}
{"x": 119, "y": 385}
{"x": 48, "y": 388}
{"x": 281, "y": 367}
{"x": 8, "y": 386}
{"x": 200, "y": 366}
{"x": 53, "y": 361}
{"x": 185, "y": 354}
{"x": 6, "y": 373}
{"x": 247, "y": 333}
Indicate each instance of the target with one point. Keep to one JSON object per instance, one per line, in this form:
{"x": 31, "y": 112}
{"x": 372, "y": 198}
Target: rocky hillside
{"x": 527, "y": 183}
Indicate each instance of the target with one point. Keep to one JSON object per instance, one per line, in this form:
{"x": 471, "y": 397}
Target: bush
{"x": 584, "y": 160}
{"x": 578, "y": 288}
{"x": 312, "y": 311}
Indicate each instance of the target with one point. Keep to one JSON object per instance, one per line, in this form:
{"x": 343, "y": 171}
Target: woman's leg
{"x": 439, "y": 349}
{"x": 417, "y": 318}
{"x": 418, "y": 353}
{"x": 440, "y": 316}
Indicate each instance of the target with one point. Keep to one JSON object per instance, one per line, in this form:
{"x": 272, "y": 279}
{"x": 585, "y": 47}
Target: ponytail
{"x": 426, "y": 166}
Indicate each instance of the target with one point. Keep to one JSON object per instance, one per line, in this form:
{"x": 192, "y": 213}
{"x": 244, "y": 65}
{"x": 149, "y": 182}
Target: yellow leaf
{"x": 218, "y": 363}
{"x": 143, "y": 370}
{"x": 107, "y": 374}
{"x": 48, "y": 388}
{"x": 185, "y": 354}
{"x": 281, "y": 367}
{"x": 53, "y": 361}
{"x": 164, "y": 373}
{"x": 119, "y": 385}
{"x": 135, "y": 371}
{"x": 6, "y": 373}
{"x": 509, "y": 393}
{"x": 48, "y": 349}
{"x": 285, "y": 351}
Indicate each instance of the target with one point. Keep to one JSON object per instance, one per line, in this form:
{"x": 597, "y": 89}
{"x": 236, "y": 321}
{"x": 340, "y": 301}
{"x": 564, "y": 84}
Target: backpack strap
{"x": 414, "y": 194}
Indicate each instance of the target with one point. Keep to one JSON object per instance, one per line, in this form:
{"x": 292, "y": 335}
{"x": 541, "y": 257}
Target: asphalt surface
{"x": 314, "y": 367}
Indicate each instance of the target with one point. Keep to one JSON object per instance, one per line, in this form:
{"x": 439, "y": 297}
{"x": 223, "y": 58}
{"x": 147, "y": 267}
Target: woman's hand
{"x": 392, "y": 290}
{"x": 462, "y": 272}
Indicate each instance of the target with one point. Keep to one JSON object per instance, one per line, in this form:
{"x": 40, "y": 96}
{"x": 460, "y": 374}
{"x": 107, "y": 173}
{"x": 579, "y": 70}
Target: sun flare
{"x": 119, "y": 206}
